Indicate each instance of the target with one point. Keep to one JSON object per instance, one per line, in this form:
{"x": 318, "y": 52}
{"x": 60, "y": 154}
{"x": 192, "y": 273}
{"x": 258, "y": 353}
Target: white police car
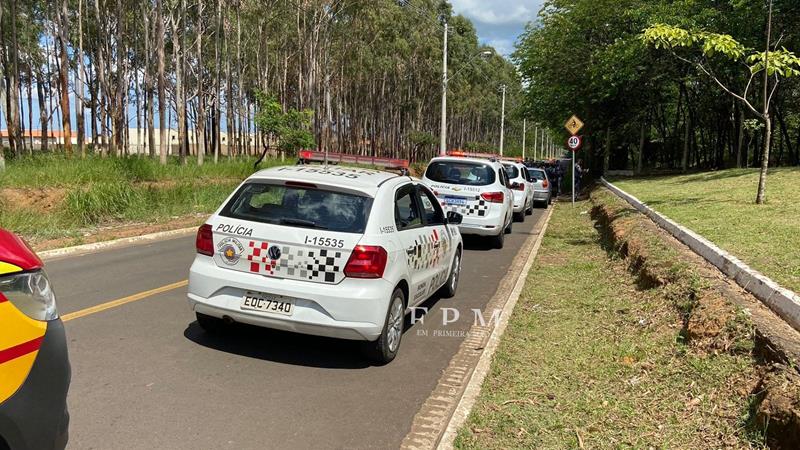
{"x": 522, "y": 189}
{"x": 329, "y": 251}
{"x": 476, "y": 188}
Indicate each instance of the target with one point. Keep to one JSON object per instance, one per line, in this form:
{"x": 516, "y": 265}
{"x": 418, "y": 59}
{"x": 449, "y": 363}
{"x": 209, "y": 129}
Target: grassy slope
{"x": 588, "y": 354}
{"x": 720, "y": 206}
{"x": 110, "y": 190}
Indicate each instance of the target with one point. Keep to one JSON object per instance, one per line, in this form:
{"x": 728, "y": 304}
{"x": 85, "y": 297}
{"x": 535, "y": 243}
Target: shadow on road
{"x": 290, "y": 348}
{"x": 281, "y": 346}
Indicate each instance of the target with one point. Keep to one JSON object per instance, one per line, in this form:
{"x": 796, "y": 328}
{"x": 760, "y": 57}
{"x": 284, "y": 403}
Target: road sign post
{"x": 574, "y": 125}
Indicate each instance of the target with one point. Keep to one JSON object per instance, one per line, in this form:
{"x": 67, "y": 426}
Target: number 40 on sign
{"x": 574, "y": 143}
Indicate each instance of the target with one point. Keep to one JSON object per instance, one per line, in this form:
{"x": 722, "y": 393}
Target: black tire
{"x": 209, "y": 324}
{"x": 499, "y": 240}
{"x": 510, "y": 225}
{"x": 529, "y": 209}
{"x": 450, "y": 287}
{"x": 385, "y": 348}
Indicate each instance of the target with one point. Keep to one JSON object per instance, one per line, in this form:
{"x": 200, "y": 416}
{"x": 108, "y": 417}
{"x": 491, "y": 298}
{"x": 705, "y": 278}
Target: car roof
{"x": 466, "y": 159}
{"x": 352, "y": 178}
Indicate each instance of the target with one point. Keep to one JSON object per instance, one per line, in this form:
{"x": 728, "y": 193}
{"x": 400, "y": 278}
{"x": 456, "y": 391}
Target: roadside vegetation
{"x": 51, "y": 197}
{"x": 653, "y": 97}
{"x": 718, "y": 205}
{"x": 599, "y": 353}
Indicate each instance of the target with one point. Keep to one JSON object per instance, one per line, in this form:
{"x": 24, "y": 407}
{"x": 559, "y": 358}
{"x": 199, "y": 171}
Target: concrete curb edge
{"x": 105, "y": 245}
{"x": 782, "y": 301}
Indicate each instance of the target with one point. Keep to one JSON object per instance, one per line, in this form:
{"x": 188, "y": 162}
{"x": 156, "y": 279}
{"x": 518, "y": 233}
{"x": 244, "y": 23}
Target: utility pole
{"x": 502, "y": 120}
{"x": 443, "y": 132}
{"x": 524, "y": 130}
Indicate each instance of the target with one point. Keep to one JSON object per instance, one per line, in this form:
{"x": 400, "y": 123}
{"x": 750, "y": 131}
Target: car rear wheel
{"x": 529, "y": 208}
{"x": 449, "y": 289}
{"x": 383, "y": 350}
{"x": 520, "y": 216}
{"x": 209, "y": 324}
{"x": 510, "y": 225}
{"x": 499, "y": 240}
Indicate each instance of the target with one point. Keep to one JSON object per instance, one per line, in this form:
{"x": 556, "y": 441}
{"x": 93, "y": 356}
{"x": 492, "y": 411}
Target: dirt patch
{"x": 40, "y": 199}
{"x": 778, "y": 410}
{"x": 119, "y": 231}
{"x": 718, "y": 316}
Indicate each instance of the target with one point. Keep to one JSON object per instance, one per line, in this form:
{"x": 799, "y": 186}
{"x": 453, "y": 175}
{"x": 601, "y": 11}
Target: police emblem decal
{"x": 231, "y": 250}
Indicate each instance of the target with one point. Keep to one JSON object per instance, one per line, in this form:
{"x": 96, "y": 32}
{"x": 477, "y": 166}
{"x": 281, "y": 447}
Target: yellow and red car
{"x": 34, "y": 366}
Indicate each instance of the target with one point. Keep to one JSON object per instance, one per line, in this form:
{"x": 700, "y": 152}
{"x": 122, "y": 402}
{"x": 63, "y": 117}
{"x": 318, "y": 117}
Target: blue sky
{"x": 499, "y": 22}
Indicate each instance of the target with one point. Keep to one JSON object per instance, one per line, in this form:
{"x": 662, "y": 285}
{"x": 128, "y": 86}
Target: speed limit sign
{"x": 574, "y": 143}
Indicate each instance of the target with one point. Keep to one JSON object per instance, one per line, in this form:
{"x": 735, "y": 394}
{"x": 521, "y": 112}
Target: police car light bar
{"x": 309, "y": 156}
{"x": 463, "y": 154}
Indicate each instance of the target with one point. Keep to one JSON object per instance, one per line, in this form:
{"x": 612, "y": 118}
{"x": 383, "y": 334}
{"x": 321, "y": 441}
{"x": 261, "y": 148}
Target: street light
{"x": 443, "y": 131}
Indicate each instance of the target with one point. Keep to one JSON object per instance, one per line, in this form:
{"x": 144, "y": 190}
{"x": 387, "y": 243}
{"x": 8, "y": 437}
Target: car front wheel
{"x": 384, "y": 350}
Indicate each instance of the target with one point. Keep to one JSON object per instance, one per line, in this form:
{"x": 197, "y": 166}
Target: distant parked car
{"x": 522, "y": 188}
{"x": 541, "y": 186}
{"x": 476, "y": 188}
{"x": 34, "y": 367}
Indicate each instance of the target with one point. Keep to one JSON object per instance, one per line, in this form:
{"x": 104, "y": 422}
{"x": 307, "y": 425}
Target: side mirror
{"x": 454, "y": 218}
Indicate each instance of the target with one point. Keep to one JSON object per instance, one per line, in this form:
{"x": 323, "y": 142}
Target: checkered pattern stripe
{"x": 319, "y": 265}
{"x": 474, "y": 207}
{"x": 428, "y": 250}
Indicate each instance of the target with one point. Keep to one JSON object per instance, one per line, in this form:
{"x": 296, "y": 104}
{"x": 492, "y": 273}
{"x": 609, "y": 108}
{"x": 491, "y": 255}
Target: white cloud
{"x": 498, "y": 12}
{"x": 503, "y": 46}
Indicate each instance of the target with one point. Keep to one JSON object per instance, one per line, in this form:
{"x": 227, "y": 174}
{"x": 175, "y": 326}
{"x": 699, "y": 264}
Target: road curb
{"x": 782, "y": 301}
{"x": 446, "y": 409}
{"x": 116, "y": 243}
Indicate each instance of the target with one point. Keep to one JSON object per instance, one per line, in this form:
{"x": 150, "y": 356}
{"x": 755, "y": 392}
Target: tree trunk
{"x": 64, "y": 77}
{"x": 162, "y": 94}
{"x": 201, "y": 112}
{"x": 640, "y": 157}
{"x": 762, "y": 178}
{"x": 685, "y": 156}
{"x": 14, "y": 130}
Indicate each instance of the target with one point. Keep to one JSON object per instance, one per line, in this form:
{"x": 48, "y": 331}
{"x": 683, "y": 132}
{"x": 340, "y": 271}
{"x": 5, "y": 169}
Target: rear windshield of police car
{"x": 300, "y": 206}
{"x": 511, "y": 171}
{"x": 458, "y": 172}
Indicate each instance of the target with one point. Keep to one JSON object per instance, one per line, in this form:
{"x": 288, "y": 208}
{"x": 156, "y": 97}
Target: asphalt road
{"x": 145, "y": 376}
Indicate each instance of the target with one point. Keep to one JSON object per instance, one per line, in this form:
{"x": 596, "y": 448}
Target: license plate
{"x": 267, "y": 303}
{"x": 456, "y": 201}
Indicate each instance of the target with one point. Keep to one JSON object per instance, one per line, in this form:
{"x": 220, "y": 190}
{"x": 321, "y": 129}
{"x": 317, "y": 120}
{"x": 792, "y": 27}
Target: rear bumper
{"x": 353, "y": 309}
{"x": 491, "y": 225}
{"x": 36, "y": 416}
{"x": 541, "y": 196}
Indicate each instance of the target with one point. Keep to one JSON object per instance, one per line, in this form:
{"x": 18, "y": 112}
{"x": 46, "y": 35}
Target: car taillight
{"x": 366, "y": 261}
{"x": 493, "y": 197}
{"x": 205, "y": 241}
{"x": 31, "y": 294}
{"x": 545, "y": 183}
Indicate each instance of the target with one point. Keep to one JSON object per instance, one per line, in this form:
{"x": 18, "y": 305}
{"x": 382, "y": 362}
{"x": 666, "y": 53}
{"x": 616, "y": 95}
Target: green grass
{"x": 58, "y": 171}
{"x": 721, "y": 207}
{"x": 590, "y": 357}
{"x": 100, "y": 191}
